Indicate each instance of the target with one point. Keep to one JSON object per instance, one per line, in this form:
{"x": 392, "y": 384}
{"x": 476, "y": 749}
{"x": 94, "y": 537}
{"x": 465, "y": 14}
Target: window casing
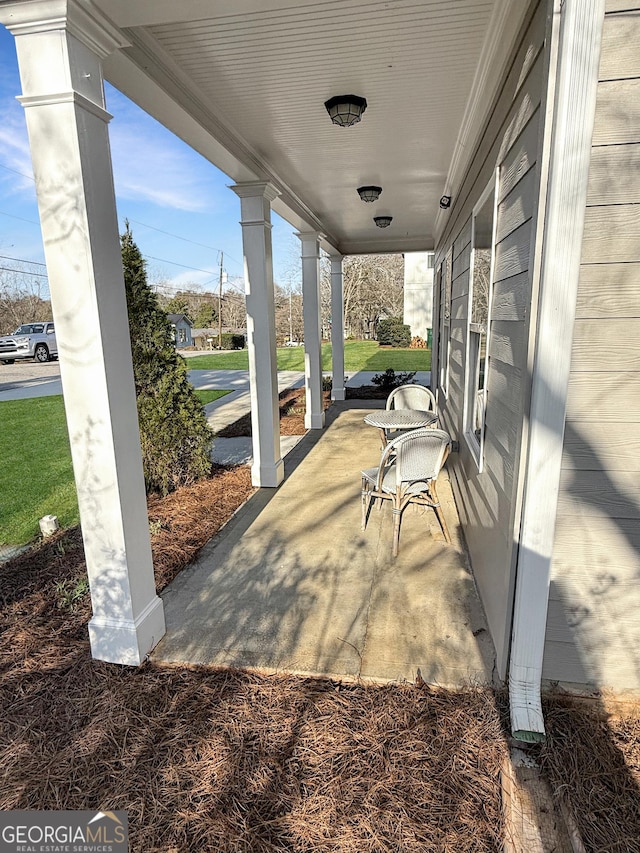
{"x": 444, "y": 277}
{"x": 479, "y": 317}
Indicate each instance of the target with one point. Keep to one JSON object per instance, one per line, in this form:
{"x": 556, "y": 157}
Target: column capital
{"x": 308, "y": 236}
{"x": 256, "y": 189}
{"x": 310, "y": 241}
{"x": 85, "y": 21}
{"x": 65, "y": 98}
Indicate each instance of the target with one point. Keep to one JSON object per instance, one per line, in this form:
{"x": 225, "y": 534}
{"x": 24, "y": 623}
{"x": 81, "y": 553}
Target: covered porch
{"x": 293, "y": 584}
{"x": 249, "y": 86}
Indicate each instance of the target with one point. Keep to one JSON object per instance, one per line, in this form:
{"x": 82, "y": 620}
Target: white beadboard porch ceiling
{"x": 244, "y": 82}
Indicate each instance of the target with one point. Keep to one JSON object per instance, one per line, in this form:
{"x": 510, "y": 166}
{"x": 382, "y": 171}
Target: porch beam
{"x": 337, "y": 329}
{"x": 60, "y": 49}
{"x": 310, "y": 250}
{"x": 267, "y": 469}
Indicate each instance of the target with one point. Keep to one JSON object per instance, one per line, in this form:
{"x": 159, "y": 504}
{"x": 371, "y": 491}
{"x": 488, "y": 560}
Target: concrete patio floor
{"x": 292, "y": 583}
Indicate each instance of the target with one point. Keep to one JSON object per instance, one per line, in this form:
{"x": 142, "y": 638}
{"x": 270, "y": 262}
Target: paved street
{"x": 28, "y": 379}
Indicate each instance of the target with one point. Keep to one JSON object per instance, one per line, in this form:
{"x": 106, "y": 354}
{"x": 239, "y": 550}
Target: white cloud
{"x": 146, "y": 170}
{"x": 151, "y": 165}
{"x": 204, "y": 281}
{"x": 17, "y": 176}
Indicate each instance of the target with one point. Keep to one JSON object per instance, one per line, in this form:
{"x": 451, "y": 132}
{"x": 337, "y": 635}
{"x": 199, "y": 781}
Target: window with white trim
{"x": 444, "y": 277}
{"x": 480, "y": 293}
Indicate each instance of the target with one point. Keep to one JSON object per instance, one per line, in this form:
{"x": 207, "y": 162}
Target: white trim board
{"x": 577, "y": 30}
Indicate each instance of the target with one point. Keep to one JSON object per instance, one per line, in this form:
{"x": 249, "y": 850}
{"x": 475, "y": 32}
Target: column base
{"x": 338, "y": 394}
{"x": 125, "y": 642}
{"x": 267, "y": 476}
{"x": 314, "y": 421}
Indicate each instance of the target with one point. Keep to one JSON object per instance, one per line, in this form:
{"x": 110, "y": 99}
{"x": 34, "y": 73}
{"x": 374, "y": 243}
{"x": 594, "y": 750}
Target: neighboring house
{"x": 505, "y": 138}
{"x": 418, "y": 293}
{"x": 182, "y": 326}
{"x": 204, "y": 338}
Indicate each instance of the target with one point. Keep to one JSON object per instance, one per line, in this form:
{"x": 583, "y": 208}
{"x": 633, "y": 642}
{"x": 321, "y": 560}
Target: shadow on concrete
{"x": 292, "y": 583}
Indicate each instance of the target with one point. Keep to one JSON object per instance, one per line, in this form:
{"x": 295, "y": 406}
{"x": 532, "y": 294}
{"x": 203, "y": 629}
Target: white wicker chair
{"x": 408, "y": 470}
{"x": 410, "y": 397}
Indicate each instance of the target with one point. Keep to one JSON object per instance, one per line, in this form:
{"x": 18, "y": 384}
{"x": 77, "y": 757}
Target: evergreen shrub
{"x": 393, "y": 332}
{"x": 174, "y": 435}
{"x": 231, "y": 341}
{"x": 389, "y": 380}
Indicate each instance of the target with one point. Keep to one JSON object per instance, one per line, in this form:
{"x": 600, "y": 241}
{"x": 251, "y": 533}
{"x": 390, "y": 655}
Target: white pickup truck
{"x": 31, "y": 340}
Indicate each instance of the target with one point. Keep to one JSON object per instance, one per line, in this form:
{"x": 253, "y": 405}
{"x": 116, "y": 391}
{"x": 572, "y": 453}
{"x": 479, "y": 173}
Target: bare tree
{"x": 480, "y": 284}
{"x": 23, "y": 297}
{"x": 288, "y": 310}
{"x": 373, "y": 287}
{"x": 234, "y": 310}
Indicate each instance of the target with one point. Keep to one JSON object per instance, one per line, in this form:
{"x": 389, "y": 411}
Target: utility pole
{"x": 220, "y": 305}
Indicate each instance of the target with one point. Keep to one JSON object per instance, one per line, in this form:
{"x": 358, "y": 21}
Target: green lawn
{"x": 36, "y": 477}
{"x": 358, "y": 355}
{"x": 207, "y": 395}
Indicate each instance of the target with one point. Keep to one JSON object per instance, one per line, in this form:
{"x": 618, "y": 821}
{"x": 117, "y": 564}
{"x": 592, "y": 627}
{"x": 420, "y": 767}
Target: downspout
{"x": 576, "y": 29}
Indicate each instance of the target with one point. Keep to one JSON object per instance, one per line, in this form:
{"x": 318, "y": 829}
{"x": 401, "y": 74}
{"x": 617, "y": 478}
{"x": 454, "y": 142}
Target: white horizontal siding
{"x": 487, "y": 501}
{"x": 593, "y": 628}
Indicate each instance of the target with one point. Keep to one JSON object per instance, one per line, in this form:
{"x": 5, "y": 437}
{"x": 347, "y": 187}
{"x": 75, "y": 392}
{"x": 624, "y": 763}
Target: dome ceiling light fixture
{"x": 369, "y": 194}
{"x": 383, "y": 221}
{"x": 345, "y": 110}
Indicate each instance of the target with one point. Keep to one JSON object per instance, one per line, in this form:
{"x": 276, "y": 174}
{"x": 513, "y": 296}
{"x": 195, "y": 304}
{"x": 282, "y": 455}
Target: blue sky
{"x": 181, "y": 211}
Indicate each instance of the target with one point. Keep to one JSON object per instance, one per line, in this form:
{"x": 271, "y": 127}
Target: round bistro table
{"x": 399, "y": 419}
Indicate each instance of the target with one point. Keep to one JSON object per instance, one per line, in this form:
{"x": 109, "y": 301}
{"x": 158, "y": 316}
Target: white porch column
{"x": 314, "y": 415}
{"x": 255, "y": 204}
{"x": 60, "y": 49}
{"x": 337, "y": 329}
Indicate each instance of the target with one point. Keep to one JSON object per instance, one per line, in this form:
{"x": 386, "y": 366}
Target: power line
{"x": 175, "y": 264}
{"x": 22, "y": 260}
{"x": 159, "y": 230}
{"x": 16, "y": 172}
{"x": 186, "y": 240}
{"x": 13, "y": 269}
{"x": 21, "y": 218}
{"x": 177, "y": 236}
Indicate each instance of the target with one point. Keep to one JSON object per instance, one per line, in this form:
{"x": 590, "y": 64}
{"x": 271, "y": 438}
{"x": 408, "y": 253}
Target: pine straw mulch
{"x": 225, "y": 760}
{"x": 292, "y": 409}
{"x": 592, "y": 760}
